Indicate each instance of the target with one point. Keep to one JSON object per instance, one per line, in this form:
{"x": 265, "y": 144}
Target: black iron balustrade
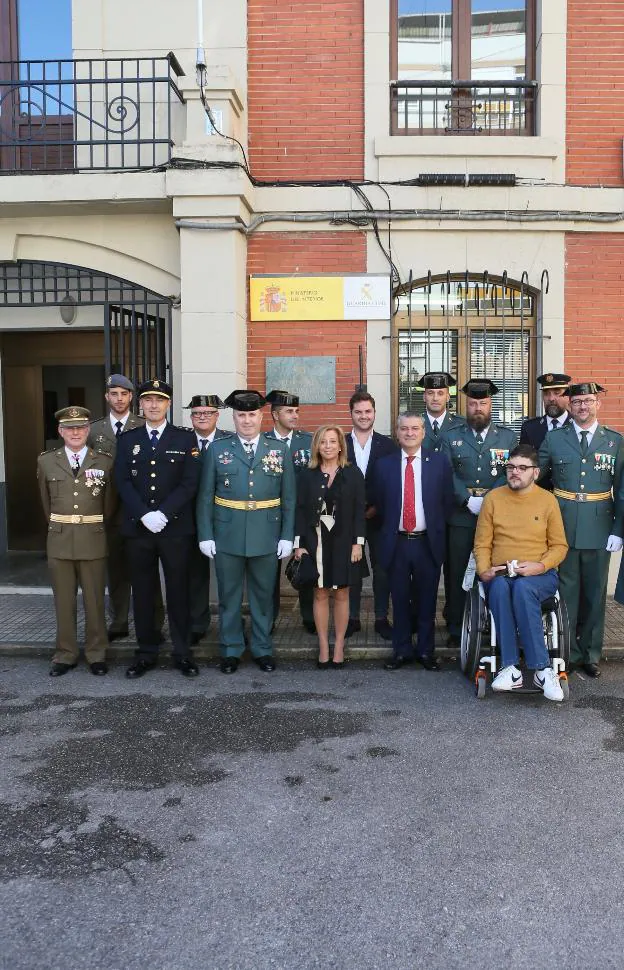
{"x": 115, "y": 114}
{"x": 463, "y": 107}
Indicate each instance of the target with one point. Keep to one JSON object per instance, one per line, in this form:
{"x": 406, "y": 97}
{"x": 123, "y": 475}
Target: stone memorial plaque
{"x": 313, "y": 379}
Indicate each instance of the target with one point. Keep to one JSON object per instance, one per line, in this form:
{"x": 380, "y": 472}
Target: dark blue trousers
{"x": 414, "y": 577}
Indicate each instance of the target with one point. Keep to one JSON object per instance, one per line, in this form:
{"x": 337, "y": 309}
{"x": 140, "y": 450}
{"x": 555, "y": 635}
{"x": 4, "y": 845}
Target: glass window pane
{"x": 423, "y": 351}
{"x": 498, "y": 40}
{"x": 504, "y": 358}
{"x": 424, "y": 38}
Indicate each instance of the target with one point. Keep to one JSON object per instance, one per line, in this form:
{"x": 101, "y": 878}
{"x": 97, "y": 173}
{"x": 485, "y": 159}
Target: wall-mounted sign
{"x": 365, "y": 297}
{"x": 312, "y": 379}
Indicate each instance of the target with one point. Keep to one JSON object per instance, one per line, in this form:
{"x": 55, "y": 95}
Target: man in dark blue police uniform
{"x": 555, "y": 401}
{"x": 204, "y": 410}
{"x": 157, "y": 471}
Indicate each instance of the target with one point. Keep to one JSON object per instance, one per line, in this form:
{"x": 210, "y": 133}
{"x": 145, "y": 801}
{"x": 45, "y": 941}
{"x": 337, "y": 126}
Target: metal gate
{"x": 471, "y": 325}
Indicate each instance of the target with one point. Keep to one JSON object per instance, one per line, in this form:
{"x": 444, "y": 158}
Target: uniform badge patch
{"x": 273, "y": 462}
{"x": 225, "y": 458}
{"x": 136, "y": 449}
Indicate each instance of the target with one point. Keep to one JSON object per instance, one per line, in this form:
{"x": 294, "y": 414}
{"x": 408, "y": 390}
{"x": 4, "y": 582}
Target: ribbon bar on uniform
{"x": 76, "y": 519}
{"x": 251, "y": 506}
{"x": 582, "y": 496}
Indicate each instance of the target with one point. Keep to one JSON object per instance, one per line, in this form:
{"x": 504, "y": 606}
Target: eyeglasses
{"x": 203, "y": 414}
{"x": 519, "y": 468}
{"x": 582, "y": 402}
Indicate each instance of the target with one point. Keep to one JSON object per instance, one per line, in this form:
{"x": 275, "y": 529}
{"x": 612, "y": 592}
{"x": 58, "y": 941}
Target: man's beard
{"x": 553, "y": 409}
{"x": 478, "y": 422}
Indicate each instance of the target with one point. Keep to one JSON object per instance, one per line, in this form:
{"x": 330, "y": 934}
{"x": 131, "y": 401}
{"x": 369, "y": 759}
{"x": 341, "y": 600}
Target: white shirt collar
{"x": 82, "y": 454}
{"x": 159, "y": 429}
{"x": 114, "y": 419}
{"x": 439, "y": 418}
{"x": 287, "y": 438}
{"x": 590, "y": 431}
{"x": 356, "y": 442}
{"x": 405, "y": 456}
{"x": 209, "y": 438}
{"x": 561, "y": 420}
{"x": 483, "y": 433}
{"x": 253, "y": 442}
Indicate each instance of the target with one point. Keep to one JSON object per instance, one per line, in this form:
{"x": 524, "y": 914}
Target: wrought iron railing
{"x": 463, "y": 107}
{"x": 93, "y": 115}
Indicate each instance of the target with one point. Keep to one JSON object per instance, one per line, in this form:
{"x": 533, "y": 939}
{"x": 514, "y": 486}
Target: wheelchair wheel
{"x": 471, "y": 635}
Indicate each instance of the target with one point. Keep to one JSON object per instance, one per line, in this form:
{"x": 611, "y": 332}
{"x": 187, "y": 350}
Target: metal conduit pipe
{"x": 405, "y": 215}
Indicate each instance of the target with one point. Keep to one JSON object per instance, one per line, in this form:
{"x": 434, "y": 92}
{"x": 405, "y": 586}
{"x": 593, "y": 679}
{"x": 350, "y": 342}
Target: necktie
{"x": 479, "y": 439}
{"x": 76, "y": 467}
{"x": 436, "y": 428}
{"x": 249, "y": 448}
{"x": 409, "y": 497}
{"x": 154, "y": 437}
{"x": 119, "y": 426}
{"x": 554, "y": 424}
{"x": 203, "y": 444}
{"x": 584, "y": 443}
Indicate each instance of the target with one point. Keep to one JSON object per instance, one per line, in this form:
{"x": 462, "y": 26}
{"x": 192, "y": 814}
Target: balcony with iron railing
{"x": 116, "y": 114}
{"x": 463, "y": 107}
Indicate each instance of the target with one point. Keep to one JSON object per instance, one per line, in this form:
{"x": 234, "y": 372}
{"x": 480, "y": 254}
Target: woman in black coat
{"x": 329, "y": 526}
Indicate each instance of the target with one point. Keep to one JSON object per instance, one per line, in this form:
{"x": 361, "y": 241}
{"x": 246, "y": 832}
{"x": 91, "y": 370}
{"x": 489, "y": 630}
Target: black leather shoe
{"x": 310, "y": 628}
{"x": 57, "y": 670}
{"x": 99, "y": 668}
{"x": 267, "y": 664}
{"x": 592, "y": 670}
{"x": 229, "y": 665}
{"x": 117, "y": 635}
{"x": 196, "y": 636}
{"x": 353, "y": 626}
{"x": 138, "y": 668}
{"x": 429, "y": 663}
{"x": 394, "y": 663}
{"x": 383, "y": 629}
{"x": 323, "y": 664}
{"x": 187, "y": 667}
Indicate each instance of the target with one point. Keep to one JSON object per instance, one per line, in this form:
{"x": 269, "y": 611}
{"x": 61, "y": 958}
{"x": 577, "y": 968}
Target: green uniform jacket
{"x": 450, "y": 421}
{"x": 86, "y": 494}
{"x": 588, "y": 525}
{"x": 227, "y": 474}
{"x": 476, "y": 466}
{"x": 300, "y": 448}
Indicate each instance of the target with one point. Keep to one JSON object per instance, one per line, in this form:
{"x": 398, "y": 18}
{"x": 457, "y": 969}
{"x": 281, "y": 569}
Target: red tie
{"x": 409, "y": 497}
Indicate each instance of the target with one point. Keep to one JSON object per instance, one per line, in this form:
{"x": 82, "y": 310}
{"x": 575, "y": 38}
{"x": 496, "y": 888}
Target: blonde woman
{"x": 329, "y": 526}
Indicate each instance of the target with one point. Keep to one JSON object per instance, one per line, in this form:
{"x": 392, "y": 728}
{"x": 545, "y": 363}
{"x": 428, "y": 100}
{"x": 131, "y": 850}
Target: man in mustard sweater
{"x": 520, "y": 526}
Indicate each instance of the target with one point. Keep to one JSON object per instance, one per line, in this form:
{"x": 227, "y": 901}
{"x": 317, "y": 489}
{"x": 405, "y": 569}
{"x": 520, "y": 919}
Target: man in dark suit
{"x": 157, "y": 471}
{"x": 555, "y": 401}
{"x": 364, "y": 448}
{"x": 413, "y": 492}
{"x": 204, "y": 410}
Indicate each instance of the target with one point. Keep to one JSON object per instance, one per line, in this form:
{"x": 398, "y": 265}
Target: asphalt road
{"x": 308, "y": 819}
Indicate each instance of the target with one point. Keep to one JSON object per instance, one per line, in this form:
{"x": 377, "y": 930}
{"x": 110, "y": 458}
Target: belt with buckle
{"x": 76, "y": 519}
{"x": 412, "y": 535}
{"x": 582, "y": 496}
{"x": 478, "y": 492}
{"x": 251, "y": 506}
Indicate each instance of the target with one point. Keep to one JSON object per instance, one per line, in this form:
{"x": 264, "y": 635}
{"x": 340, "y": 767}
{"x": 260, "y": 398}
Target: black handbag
{"x": 301, "y": 573}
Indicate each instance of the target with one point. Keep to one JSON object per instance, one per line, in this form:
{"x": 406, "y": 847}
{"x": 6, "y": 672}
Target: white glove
{"x": 614, "y": 544}
{"x": 208, "y": 548}
{"x": 474, "y": 504}
{"x": 154, "y": 521}
{"x": 284, "y": 549}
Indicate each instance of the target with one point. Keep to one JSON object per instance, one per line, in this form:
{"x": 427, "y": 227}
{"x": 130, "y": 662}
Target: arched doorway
{"x": 62, "y": 329}
{"x": 472, "y": 325}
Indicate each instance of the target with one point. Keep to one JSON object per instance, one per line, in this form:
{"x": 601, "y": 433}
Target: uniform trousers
{"x": 460, "y": 543}
{"x": 259, "y": 572}
{"x": 381, "y": 589}
{"x": 583, "y": 578}
{"x": 414, "y": 577}
{"x": 119, "y": 587}
{"x": 174, "y": 552}
{"x": 90, "y": 575}
{"x": 199, "y": 582}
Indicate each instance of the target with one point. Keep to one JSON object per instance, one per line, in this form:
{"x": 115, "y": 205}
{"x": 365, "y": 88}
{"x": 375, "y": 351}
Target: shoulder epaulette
{"x": 49, "y": 451}
{"x": 606, "y": 427}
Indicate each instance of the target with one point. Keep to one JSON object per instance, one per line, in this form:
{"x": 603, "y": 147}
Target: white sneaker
{"x": 548, "y": 681}
{"x": 509, "y": 678}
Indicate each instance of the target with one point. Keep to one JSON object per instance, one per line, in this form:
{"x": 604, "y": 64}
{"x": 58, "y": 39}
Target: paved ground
{"x": 356, "y": 819}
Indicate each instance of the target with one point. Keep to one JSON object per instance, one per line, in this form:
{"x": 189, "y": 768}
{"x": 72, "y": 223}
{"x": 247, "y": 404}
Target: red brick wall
{"x": 595, "y": 92}
{"x": 306, "y": 88}
{"x": 594, "y": 307}
{"x": 308, "y": 253}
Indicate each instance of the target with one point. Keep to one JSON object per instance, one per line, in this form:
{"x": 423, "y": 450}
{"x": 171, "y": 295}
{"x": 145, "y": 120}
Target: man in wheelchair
{"x": 519, "y": 543}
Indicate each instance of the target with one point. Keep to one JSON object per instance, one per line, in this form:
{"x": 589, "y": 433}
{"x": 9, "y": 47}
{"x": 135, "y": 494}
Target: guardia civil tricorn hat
{"x": 205, "y": 401}
{"x": 434, "y": 379}
{"x": 586, "y": 387}
{"x": 282, "y": 399}
{"x": 480, "y": 387}
{"x": 244, "y": 400}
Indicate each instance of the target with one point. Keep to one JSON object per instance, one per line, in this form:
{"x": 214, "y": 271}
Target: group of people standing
{"x": 126, "y": 496}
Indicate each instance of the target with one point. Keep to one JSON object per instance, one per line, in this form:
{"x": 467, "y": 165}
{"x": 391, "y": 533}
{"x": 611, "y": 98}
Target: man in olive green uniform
{"x": 78, "y": 495}
{"x": 204, "y": 410}
{"x": 585, "y": 460}
{"x": 245, "y": 521}
{"x": 103, "y": 437}
{"x": 478, "y": 450}
{"x": 285, "y": 415}
{"x": 437, "y": 417}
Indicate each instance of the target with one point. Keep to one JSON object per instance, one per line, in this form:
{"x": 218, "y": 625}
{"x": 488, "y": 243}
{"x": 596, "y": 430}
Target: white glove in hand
{"x": 208, "y": 548}
{"x": 614, "y": 543}
{"x": 284, "y": 549}
{"x": 474, "y": 504}
{"x": 154, "y": 521}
